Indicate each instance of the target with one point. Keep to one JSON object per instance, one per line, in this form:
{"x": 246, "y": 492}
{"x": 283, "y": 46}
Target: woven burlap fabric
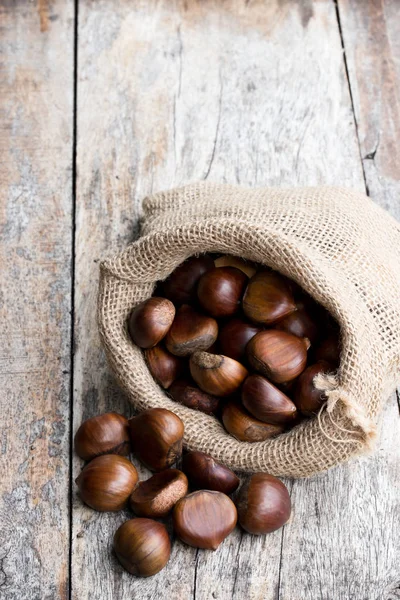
{"x": 338, "y": 245}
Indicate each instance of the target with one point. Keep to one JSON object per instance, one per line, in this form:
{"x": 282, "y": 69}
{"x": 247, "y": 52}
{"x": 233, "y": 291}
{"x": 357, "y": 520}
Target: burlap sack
{"x": 337, "y": 244}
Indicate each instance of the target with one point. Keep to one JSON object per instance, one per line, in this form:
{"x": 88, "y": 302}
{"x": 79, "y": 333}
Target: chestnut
{"x": 217, "y": 374}
{"x": 186, "y": 392}
{"x": 307, "y": 398}
{"x": 142, "y": 546}
{"x": 263, "y": 504}
{"x": 267, "y": 298}
{"x": 106, "y": 483}
{"x": 156, "y": 438}
{"x": 104, "y": 434}
{"x": 266, "y": 402}
{"x": 239, "y": 263}
{"x": 164, "y": 366}
{"x": 288, "y": 387}
{"x": 180, "y": 287}
{"x": 157, "y": 496}
{"x": 278, "y": 355}
{"x": 296, "y": 289}
{"x": 204, "y": 519}
{"x": 244, "y": 427}
{"x": 206, "y": 473}
{"x": 234, "y": 337}
{"x": 220, "y": 291}
{"x": 150, "y": 321}
{"x": 329, "y": 351}
{"x": 301, "y": 324}
{"x": 191, "y": 331}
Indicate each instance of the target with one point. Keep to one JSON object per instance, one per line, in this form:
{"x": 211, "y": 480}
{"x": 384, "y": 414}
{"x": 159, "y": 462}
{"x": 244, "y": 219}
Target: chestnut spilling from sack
{"x": 235, "y": 339}
{"x": 195, "y": 496}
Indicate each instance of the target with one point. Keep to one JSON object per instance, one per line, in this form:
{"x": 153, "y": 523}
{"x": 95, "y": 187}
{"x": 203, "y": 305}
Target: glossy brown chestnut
{"x": 305, "y": 302}
{"x": 106, "y": 483}
{"x": 295, "y": 288}
{"x": 267, "y": 298}
{"x": 142, "y": 546}
{"x": 266, "y": 402}
{"x": 204, "y": 519}
{"x": 220, "y": 291}
{"x": 239, "y": 263}
{"x": 217, "y": 374}
{"x": 307, "y": 398}
{"x": 234, "y": 337}
{"x": 157, "y": 496}
{"x": 288, "y": 387}
{"x": 164, "y": 366}
{"x": 180, "y": 287}
{"x": 244, "y": 427}
{"x": 301, "y": 324}
{"x": 156, "y": 438}
{"x": 104, "y": 434}
{"x": 329, "y": 351}
{"x": 278, "y": 355}
{"x": 190, "y": 331}
{"x": 186, "y": 392}
{"x": 263, "y": 504}
{"x": 150, "y": 321}
{"x": 206, "y": 473}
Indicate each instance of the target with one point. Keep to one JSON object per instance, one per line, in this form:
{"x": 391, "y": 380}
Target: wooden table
{"x": 104, "y": 102}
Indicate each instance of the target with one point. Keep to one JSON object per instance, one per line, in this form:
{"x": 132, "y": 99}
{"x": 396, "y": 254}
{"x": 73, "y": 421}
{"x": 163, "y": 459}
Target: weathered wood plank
{"x": 346, "y": 538}
{"x": 175, "y": 91}
{"x": 36, "y": 99}
{"x": 344, "y": 541}
{"x": 371, "y": 36}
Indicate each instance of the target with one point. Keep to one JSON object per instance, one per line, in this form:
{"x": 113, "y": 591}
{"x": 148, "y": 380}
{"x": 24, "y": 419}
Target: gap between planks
{"x": 346, "y": 69}
{"x": 73, "y": 236}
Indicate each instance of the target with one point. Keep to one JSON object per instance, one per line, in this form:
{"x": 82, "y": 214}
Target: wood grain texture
{"x": 36, "y": 99}
{"x": 371, "y": 37}
{"x": 242, "y": 92}
{"x": 346, "y": 542}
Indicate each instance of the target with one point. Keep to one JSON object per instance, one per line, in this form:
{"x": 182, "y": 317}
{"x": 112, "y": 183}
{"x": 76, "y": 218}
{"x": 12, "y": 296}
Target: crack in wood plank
{"x": 337, "y": 12}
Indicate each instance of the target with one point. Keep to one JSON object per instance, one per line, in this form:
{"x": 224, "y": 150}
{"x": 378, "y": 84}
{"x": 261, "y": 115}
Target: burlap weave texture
{"x": 338, "y": 245}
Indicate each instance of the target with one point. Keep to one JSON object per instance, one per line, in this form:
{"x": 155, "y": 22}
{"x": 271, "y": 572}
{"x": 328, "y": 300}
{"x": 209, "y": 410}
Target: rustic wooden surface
{"x": 36, "y": 98}
{"x": 255, "y": 92}
{"x": 371, "y": 39}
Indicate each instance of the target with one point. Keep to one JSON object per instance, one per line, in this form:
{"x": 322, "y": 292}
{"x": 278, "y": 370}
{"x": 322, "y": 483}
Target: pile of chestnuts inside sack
{"x": 229, "y": 338}
{"x": 239, "y": 341}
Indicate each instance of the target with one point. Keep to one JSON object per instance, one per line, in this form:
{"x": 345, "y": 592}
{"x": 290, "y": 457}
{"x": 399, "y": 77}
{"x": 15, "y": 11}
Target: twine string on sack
{"x": 331, "y": 438}
{"x": 328, "y": 384}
